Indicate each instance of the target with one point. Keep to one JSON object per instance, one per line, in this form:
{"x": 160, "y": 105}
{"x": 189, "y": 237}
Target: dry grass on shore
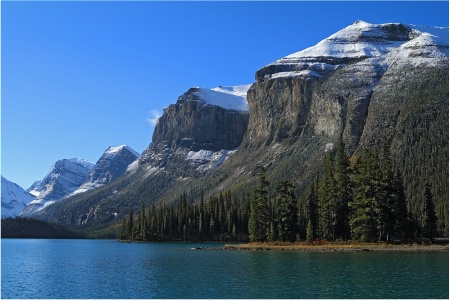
{"x": 336, "y": 246}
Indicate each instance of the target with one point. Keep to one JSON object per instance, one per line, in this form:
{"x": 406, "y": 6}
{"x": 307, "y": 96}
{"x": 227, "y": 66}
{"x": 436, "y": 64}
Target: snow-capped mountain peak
{"x": 44, "y": 187}
{"x": 360, "y": 41}
{"x": 111, "y": 151}
{"x": 112, "y": 164}
{"x": 64, "y": 177}
{"x": 14, "y": 198}
{"x": 228, "y": 97}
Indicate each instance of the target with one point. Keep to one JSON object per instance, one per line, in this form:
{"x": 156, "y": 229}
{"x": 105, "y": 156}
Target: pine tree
{"x": 287, "y": 211}
{"x": 309, "y": 232}
{"x": 430, "y": 221}
{"x": 130, "y": 225}
{"x": 201, "y": 220}
{"x": 387, "y": 198}
{"x": 327, "y": 201}
{"x": 271, "y": 232}
{"x": 343, "y": 192}
{"x": 123, "y": 232}
{"x": 143, "y": 224}
{"x": 259, "y": 210}
{"x": 312, "y": 209}
{"x": 401, "y": 208}
{"x": 139, "y": 228}
{"x": 364, "y": 219}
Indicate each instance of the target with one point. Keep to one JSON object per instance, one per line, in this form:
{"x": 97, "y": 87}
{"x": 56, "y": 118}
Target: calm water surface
{"x": 33, "y": 268}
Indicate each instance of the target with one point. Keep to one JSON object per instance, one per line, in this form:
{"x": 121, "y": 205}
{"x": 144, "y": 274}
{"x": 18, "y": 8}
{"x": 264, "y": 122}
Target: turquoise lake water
{"x": 33, "y": 268}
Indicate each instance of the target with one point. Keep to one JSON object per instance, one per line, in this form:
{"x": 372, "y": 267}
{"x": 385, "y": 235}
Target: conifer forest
{"x": 365, "y": 202}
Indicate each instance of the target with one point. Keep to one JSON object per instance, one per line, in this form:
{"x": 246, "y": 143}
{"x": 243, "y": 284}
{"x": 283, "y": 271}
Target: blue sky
{"x": 78, "y": 77}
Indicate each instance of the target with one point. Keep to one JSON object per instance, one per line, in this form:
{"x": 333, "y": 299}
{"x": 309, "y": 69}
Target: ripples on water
{"x": 108, "y": 269}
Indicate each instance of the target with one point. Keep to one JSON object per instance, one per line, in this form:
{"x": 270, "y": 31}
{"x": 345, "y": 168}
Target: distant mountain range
{"x": 65, "y": 178}
{"x": 14, "y": 198}
{"x": 372, "y": 84}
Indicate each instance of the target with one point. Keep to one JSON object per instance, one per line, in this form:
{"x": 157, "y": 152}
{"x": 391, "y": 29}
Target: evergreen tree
{"x": 138, "y": 233}
{"x": 312, "y": 209}
{"x": 287, "y": 211}
{"x": 401, "y": 209}
{"x": 259, "y": 221}
{"x": 271, "y": 232}
{"x": 430, "y": 221}
{"x": 387, "y": 197}
{"x": 123, "y": 232}
{"x": 309, "y": 232}
{"x": 130, "y": 225}
{"x": 327, "y": 201}
{"x": 143, "y": 224}
{"x": 364, "y": 219}
{"x": 343, "y": 192}
{"x": 201, "y": 221}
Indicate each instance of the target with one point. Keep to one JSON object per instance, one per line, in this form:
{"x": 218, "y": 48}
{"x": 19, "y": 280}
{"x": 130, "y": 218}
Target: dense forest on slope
{"x": 420, "y": 144}
{"x": 31, "y": 228}
{"x": 365, "y": 202}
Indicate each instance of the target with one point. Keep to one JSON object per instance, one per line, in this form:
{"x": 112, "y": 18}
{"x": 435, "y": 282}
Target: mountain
{"x": 113, "y": 163}
{"x": 14, "y": 198}
{"x": 200, "y": 130}
{"x": 194, "y": 136}
{"x": 64, "y": 177}
{"x": 69, "y": 177}
{"x": 342, "y": 72}
{"x": 374, "y": 84}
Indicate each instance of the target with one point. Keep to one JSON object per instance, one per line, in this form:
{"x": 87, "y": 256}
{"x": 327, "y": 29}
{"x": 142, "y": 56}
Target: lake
{"x": 34, "y": 268}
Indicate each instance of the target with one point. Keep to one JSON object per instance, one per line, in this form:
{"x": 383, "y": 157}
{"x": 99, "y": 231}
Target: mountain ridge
{"x": 68, "y": 177}
{"x": 294, "y": 118}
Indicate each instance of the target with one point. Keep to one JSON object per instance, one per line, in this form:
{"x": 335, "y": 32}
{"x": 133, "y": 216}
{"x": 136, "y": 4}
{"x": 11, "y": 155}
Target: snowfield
{"x": 231, "y": 97}
{"x": 362, "y": 40}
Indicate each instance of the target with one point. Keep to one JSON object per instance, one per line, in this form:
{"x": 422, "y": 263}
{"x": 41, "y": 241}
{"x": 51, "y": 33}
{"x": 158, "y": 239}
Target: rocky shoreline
{"x": 336, "y": 247}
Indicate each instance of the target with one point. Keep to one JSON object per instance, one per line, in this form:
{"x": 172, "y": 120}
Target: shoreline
{"x": 338, "y": 247}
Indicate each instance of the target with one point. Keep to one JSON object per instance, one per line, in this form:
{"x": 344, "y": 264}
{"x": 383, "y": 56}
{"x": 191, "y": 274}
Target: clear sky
{"x": 78, "y": 77}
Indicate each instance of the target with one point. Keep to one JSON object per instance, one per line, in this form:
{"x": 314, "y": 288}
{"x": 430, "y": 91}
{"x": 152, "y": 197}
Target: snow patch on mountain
{"x": 64, "y": 177}
{"x": 360, "y": 39}
{"x": 208, "y": 160}
{"x": 14, "y": 198}
{"x": 133, "y": 166}
{"x": 296, "y": 74}
{"x": 383, "y": 44}
{"x": 114, "y": 162}
{"x": 74, "y": 168}
{"x": 112, "y": 151}
{"x": 231, "y": 97}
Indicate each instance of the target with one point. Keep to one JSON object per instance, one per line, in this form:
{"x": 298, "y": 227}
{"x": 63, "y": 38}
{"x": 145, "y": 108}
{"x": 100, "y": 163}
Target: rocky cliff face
{"x": 64, "y": 177}
{"x": 327, "y": 89}
{"x": 193, "y": 136}
{"x": 202, "y": 123}
{"x": 374, "y": 84}
{"x": 113, "y": 163}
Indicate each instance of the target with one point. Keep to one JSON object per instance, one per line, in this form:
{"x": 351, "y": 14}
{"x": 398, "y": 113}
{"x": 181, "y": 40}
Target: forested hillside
{"x": 365, "y": 202}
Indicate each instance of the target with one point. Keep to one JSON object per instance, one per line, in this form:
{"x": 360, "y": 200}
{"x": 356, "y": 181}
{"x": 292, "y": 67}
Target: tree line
{"x": 364, "y": 202}
{"x": 223, "y": 218}
{"x": 24, "y": 227}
